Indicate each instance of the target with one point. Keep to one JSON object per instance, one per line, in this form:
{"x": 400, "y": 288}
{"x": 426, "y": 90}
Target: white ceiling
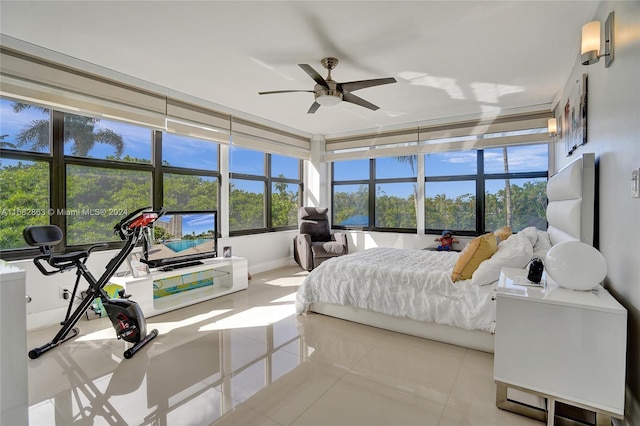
{"x": 452, "y": 59}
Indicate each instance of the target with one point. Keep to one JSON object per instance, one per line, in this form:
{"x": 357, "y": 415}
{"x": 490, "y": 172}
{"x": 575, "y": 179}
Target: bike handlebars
{"x": 140, "y": 218}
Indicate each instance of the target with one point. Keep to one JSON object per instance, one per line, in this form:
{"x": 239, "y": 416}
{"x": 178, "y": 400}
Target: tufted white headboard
{"x": 571, "y": 195}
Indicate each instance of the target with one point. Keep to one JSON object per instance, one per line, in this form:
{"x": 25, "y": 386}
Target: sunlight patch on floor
{"x": 259, "y": 316}
{"x": 289, "y": 298}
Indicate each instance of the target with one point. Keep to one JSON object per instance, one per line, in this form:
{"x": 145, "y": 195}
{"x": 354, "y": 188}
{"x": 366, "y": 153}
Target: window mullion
{"x": 58, "y": 179}
{"x": 158, "y": 172}
{"x": 372, "y": 194}
{"x": 480, "y": 186}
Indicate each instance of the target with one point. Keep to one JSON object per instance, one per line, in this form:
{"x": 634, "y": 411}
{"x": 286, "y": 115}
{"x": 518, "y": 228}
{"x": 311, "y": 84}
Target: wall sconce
{"x": 552, "y": 127}
{"x": 590, "y": 51}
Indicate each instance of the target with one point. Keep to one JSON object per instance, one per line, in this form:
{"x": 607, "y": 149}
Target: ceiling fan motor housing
{"x": 323, "y": 92}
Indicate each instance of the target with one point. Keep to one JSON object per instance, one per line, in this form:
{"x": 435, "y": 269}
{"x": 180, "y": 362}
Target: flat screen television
{"x": 181, "y": 238}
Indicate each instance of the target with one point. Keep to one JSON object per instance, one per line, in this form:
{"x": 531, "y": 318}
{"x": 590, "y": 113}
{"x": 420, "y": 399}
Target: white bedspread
{"x": 414, "y": 284}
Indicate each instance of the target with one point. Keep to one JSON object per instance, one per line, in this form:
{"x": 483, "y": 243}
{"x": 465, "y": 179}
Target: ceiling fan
{"x": 328, "y": 92}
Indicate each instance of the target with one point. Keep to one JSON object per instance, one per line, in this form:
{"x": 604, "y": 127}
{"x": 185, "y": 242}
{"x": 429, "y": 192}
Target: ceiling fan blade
{"x": 352, "y": 86}
{"x": 348, "y": 97}
{"x": 314, "y": 108}
{"x": 283, "y": 91}
{"x": 314, "y": 75}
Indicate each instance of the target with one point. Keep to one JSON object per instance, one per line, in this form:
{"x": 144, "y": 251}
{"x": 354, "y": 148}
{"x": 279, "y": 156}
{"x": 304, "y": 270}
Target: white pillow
{"x": 542, "y": 246}
{"x": 514, "y": 252}
{"x": 531, "y": 233}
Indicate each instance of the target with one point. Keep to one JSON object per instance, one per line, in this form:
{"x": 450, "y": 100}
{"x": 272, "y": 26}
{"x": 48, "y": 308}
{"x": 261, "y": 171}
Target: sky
{"x": 194, "y": 222}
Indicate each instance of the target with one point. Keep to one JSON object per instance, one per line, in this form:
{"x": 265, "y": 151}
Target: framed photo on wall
{"x": 574, "y": 116}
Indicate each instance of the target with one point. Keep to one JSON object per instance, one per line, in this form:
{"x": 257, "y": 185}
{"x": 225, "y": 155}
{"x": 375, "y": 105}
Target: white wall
{"x": 614, "y": 136}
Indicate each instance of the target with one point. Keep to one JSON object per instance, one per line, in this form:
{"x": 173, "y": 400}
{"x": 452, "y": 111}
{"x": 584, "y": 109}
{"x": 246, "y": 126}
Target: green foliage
{"x": 284, "y": 205}
{"x": 457, "y": 213}
{"x": 395, "y": 212}
{"x": 189, "y": 192}
{"x": 350, "y": 204}
{"x": 97, "y": 198}
{"x": 246, "y": 209}
{"x": 24, "y": 201}
{"x": 528, "y": 208}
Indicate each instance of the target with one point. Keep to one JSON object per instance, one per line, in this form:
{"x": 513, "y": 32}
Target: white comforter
{"x": 414, "y": 284}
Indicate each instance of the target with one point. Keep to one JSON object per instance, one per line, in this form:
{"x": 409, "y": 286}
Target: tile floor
{"x": 247, "y": 359}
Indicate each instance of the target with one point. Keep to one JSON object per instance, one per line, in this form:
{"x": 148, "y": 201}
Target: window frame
{"x": 480, "y": 178}
{"x": 160, "y": 169}
{"x": 58, "y": 163}
{"x": 371, "y": 183}
{"x": 268, "y": 180}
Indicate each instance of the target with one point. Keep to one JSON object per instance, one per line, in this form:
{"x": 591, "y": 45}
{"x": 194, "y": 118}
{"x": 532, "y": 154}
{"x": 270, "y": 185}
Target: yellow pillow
{"x": 503, "y": 233}
{"x": 475, "y": 252}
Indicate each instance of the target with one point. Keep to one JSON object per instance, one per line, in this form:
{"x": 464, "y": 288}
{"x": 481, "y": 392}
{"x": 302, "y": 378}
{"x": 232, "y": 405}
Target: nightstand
{"x": 561, "y": 345}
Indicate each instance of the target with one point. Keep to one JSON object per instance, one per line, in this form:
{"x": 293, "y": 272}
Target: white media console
{"x": 162, "y": 291}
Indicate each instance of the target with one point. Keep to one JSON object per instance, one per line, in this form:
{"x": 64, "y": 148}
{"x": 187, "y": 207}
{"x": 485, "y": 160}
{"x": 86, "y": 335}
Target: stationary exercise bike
{"x": 125, "y": 315}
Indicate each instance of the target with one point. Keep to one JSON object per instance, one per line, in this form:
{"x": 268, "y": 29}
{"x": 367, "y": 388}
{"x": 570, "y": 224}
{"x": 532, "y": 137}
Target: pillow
{"x": 531, "y": 233}
{"x": 476, "y": 250}
{"x": 502, "y": 233}
{"x": 542, "y": 246}
{"x": 514, "y": 252}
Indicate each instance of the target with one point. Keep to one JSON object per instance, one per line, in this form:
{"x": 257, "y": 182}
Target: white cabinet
{"x": 563, "y": 345}
{"x": 13, "y": 346}
{"x": 163, "y": 291}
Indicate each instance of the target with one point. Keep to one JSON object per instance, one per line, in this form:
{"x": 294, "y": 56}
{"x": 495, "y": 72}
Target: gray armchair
{"x": 316, "y": 243}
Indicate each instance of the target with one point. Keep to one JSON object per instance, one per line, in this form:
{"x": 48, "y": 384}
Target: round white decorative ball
{"x": 575, "y": 265}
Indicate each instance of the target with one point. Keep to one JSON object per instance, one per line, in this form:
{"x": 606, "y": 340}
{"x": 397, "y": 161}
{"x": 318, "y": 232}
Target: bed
{"x": 412, "y": 291}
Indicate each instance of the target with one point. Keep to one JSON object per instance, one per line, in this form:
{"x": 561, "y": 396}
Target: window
{"x": 108, "y": 175}
{"x": 24, "y": 127}
{"x": 388, "y": 184}
{"x": 246, "y": 190}
{"x": 190, "y": 173}
{"x": 98, "y": 197}
{"x": 450, "y": 205}
{"x": 264, "y": 193}
{"x": 286, "y": 188}
{"x": 81, "y": 173}
{"x": 450, "y": 191}
{"x": 468, "y": 192}
{"x": 90, "y": 137}
{"x": 516, "y": 187}
{"x": 512, "y": 180}
{"x": 25, "y": 164}
{"x": 24, "y": 199}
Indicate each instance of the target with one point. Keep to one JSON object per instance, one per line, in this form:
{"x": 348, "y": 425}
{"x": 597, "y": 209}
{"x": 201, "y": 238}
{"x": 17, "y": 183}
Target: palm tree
{"x": 507, "y": 186}
{"x": 4, "y": 144}
{"x": 79, "y": 129}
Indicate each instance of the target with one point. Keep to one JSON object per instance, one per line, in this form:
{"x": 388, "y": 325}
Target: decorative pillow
{"x": 514, "y": 252}
{"x": 542, "y": 246}
{"x": 531, "y": 233}
{"x": 476, "y": 251}
{"x": 503, "y": 233}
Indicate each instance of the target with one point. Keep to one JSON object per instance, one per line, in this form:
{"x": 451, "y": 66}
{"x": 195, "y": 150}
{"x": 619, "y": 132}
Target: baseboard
{"x": 46, "y": 319}
{"x": 272, "y": 264}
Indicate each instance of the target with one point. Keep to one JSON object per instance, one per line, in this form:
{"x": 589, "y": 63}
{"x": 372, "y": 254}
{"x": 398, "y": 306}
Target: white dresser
{"x": 562, "y": 345}
{"x": 13, "y": 346}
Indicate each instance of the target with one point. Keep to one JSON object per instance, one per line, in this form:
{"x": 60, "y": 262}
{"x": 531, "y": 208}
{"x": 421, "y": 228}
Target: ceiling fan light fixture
{"x": 328, "y": 97}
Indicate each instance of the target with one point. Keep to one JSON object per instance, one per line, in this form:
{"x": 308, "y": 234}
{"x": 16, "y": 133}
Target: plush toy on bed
{"x": 446, "y": 241}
